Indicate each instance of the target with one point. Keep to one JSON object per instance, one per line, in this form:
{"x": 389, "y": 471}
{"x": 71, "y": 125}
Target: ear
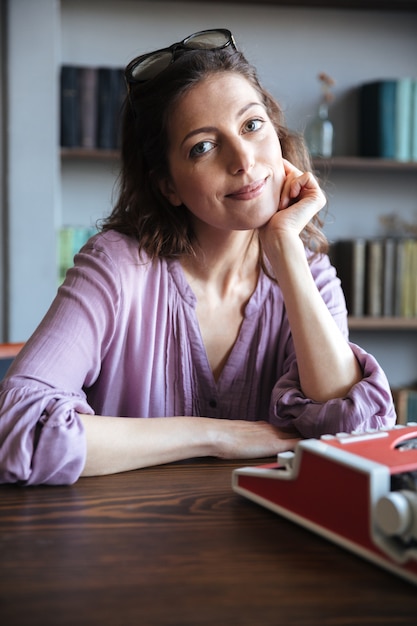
{"x": 167, "y": 189}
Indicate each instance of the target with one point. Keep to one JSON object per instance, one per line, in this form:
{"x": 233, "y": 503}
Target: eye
{"x": 201, "y": 148}
{"x": 253, "y": 125}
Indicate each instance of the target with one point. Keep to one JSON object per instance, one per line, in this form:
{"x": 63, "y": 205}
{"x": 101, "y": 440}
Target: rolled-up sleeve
{"x": 42, "y": 439}
{"x": 367, "y": 405}
{"x": 44, "y": 443}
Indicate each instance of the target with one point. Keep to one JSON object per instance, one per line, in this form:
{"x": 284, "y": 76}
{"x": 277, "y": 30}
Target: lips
{"x": 248, "y": 192}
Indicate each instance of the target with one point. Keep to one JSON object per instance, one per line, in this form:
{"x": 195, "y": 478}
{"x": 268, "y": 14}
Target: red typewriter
{"x": 358, "y": 490}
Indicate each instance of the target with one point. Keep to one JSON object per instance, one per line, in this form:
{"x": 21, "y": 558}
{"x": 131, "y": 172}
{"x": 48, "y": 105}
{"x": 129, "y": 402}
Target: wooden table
{"x": 174, "y": 545}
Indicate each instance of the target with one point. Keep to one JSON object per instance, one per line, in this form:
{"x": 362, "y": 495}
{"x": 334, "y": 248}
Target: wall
{"x": 33, "y": 161}
{"x": 288, "y": 45}
{"x": 3, "y": 187}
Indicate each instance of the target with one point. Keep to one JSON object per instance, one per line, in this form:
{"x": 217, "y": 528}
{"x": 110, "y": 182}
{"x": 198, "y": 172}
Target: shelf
{"x": 89, "y": 154}
{"x": 376, "y": 5}
{"x": 363, "y": 163}
{"x": 334, "y": 163}
{"x": 382, "y": 323}
{"x": 10, "y": 350}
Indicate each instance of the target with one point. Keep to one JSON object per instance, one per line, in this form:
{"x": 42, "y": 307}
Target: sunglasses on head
{"x": 148, "y": 66}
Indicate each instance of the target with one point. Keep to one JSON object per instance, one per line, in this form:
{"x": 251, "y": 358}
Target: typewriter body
{"x": 357, "y": 490}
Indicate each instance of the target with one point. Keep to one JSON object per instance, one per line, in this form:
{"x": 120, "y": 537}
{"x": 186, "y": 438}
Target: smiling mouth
{"x": 248, "y": 192}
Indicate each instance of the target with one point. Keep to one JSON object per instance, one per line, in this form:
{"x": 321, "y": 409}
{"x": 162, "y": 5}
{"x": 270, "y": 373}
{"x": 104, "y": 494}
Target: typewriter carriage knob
{"x": 396, "y": 514}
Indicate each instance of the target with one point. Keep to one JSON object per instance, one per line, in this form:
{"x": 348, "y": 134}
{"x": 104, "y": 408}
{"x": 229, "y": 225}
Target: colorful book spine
{"x": 71, "y": 239}
{"x": 387, "y": 119}
{"x": 403, "y": 108}
{"x": 414, "y": 121}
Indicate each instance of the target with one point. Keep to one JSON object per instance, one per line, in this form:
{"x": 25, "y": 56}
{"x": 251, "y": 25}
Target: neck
{"x": 222, "y": 260}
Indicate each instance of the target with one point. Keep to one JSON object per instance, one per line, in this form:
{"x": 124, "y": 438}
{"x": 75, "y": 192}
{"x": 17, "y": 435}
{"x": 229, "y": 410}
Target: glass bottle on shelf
{"x": 319, "y": 133}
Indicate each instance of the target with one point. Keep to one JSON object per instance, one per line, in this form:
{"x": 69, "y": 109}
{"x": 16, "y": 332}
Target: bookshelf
{"x": 349, "y": 163}
{"x": 388, "y": 5}
{"x": 340, "y": 163}
{"x": 369, "y": 323}
{"x": 68, "y": 154}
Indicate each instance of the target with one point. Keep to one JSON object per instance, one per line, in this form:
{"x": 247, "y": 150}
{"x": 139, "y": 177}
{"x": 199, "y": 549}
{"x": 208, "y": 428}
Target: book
{"x": 413, "y": 147}
{"x": 88, "y": 109}
{"x": 348, "y": 257}
{"x": 409, "y": 278}
{"x": 388, "y": 277}
{"x": 399, "y": 276}
{"x": 405, "y": 402}
{"x": 69, "y": 102}
{"x": 70, "y": 240}
{"x": 403, "y": 106}
{"x": 120, "y": 98}
{"x": 377, "y": 105}
{"x": 374, "y": 276}
{"x": 110, "y": 92}
{"x": 386, "y": 114}
{"x": 378, "y": 275}
{"x": 91, "y": 106}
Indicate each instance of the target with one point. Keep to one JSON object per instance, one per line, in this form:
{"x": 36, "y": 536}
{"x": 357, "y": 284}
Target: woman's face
{"x": 225, "y": 157}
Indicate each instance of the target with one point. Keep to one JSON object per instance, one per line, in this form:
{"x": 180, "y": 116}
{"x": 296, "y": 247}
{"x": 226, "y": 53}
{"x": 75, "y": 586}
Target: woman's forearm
{"x": 117, "y": 444}
{"x": 122, "y": 444}
{"x": 326, "y": 364}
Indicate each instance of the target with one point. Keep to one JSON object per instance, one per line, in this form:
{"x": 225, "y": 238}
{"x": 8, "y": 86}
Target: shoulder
{"x": 119, "y": 252}
{"x": 113, "y": 245}
{"x": 117, "y": 256}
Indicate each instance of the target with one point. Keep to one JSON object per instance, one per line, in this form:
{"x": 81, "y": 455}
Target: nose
{"x": 241, "y": 157}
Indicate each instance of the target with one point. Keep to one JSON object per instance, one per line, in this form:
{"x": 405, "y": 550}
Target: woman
{"x": 207, "y": 295}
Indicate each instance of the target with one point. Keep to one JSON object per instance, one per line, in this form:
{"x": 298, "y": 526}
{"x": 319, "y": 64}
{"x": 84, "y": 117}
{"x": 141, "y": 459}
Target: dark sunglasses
{"x": 147, "y": 66}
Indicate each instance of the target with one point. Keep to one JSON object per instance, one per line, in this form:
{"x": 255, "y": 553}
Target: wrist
{"x": 284, "y": 251}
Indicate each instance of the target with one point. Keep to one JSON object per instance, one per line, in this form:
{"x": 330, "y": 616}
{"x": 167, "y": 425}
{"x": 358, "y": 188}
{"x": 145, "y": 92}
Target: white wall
{"x": 3, "y": 182}
{"x": 33, "y": 161}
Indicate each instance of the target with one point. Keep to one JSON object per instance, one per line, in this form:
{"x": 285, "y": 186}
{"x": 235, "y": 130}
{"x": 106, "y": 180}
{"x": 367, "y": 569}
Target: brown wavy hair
{"x": 141, "y": 210}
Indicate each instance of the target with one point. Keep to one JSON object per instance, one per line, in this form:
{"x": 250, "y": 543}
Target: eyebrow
{"x": 210, "y": 129}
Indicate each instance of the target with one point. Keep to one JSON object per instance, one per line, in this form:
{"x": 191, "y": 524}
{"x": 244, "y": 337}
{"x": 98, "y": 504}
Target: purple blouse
{"x": 122, "y": 338}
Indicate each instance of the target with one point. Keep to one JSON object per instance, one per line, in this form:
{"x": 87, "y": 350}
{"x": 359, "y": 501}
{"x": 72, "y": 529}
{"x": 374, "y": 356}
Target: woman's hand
{"x": 239, "y": 439}
{"x": 301, "y": 198}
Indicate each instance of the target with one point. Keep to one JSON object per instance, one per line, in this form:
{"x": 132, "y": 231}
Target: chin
{"x": 253, "y": 225}
{"x": 264, "y": 219}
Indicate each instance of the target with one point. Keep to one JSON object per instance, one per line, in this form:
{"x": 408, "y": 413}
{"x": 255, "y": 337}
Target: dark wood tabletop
{"x": 174, "y": 545}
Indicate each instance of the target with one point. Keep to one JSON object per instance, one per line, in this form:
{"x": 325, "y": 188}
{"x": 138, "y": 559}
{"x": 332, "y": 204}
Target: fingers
{"x": 299, "y": 185}
{"x": 253, "y": 440}
{"x": 291, "y": 172}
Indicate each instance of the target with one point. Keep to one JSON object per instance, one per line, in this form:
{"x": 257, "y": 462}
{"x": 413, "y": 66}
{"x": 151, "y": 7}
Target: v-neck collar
{"x": 198, "y": 350}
